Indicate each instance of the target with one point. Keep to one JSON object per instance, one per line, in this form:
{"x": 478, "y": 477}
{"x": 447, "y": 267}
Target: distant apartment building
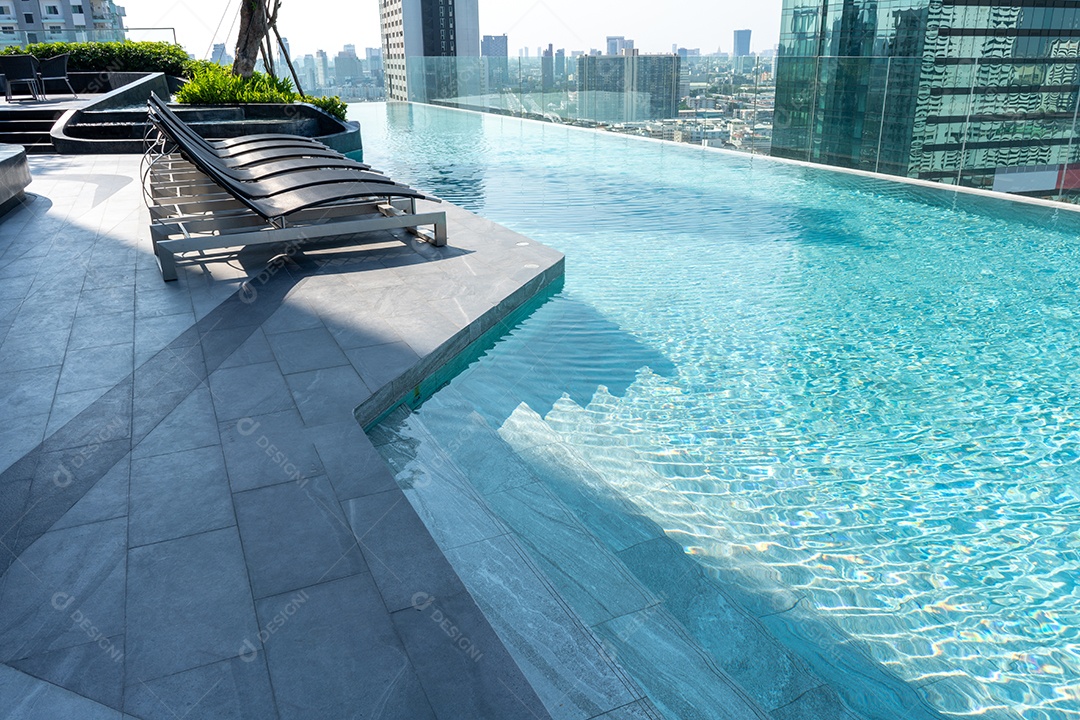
{"x": 426, "y": 29}
{"x": 982, "y": 94}
{"x": 306, "y": 69}
{"x": 628, "y": 88}
{"x": 494, "y": 46}
{"x": 374, "y": 60}
{"x": 742, "y": 43}
{"x": 547, "y": 68}
{"x": 496, "y": 51}
{"x": 322, "y": 70}
{"x": 617, "y": 45}
{"x": 283, "y": 52}
{"x": 220, "y": 55}
{"x": 347, "y": 69}
{"x": 24, "y": 22}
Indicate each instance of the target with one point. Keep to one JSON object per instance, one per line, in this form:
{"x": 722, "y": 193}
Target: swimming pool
{"x": 862, "y": 393}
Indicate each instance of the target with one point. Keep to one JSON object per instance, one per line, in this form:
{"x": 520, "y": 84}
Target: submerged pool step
{"x": 578, "y": 602}
{"x": 777, "y": 679}
{"x": 595, "y": 450}
{"x": 558, "y": 654}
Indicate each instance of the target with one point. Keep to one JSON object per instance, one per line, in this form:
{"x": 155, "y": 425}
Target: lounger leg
{"x": 166, "y": 260}
{"x": 440, "y": 234}
{"x": 167, "y": 263}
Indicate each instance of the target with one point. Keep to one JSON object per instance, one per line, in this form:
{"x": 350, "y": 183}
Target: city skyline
{"x": 528, "y": 23}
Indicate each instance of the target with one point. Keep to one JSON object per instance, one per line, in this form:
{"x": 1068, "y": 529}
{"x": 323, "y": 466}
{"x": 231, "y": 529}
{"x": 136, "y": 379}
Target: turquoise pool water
{"x": 865, "y": 392}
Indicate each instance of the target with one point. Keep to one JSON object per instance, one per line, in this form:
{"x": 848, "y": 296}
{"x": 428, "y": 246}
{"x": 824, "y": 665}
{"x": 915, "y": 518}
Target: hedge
{"x": 113, "y": 56}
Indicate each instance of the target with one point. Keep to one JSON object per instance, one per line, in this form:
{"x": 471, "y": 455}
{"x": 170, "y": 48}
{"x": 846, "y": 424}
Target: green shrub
{"x": 330, "y": 105}
{"x": 113, "y": 56}
{"x": 213, "y": 84}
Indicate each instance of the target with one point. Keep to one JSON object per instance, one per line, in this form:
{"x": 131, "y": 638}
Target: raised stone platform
{"x": 192, "y": 522}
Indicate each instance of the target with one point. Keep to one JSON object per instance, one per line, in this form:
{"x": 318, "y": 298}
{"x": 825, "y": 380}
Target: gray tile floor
{"x": 192, "y": 522}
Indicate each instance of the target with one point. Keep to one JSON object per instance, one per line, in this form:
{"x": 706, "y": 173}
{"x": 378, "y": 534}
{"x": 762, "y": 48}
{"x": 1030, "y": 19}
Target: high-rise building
{"x": 547, "y": 68}
{"x": 616, "y": 44}
{"x": 61, "y": 21}
{"x": 220, "y": 55}
{"x": 560, "y": 64}
{"x": 347, "y": 67}
{"x": 496, "y": 50}
{"x": 374, "y": 60}
{"x": 306, "y": 70}
{"x": 494, "y": 46}
{"x": 742, "y": 43}
{"x": 322, "y": 69}
{"x": 982, "y": 94}
{"x": 417, "y": 29}
{"x": 628, "y": 88}
{"x": 282, "y": 53}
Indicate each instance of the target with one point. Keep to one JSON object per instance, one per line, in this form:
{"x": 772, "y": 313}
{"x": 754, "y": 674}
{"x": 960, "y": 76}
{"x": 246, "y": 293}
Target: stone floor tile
{"x": 188, "y": 605}
{"x": 255, "y": 349}
{"x": 25, "y": 350}
{"x": 95, "y": 367}
{"x": 295, "y": 535}
{"x": 107, "y": 499}
{"x": 399, "y": 550}
{"x": 93, "y": 669}
{"x": 238, "y": 688}
{"x": 176, "y": 495}
{"x": 304, "y": 350}
{"x": 28, "y": 698}
{"x": 100, "y": 330}
{"x": 28, "y": 392}
{"x": 327, "y": 396}
{"x": 380, "y": 364}
{"x": 350, "y": 461}
{"x": 333, "y": 652}
{"x": 193, "y": 424}
{"x": 66, "y": 576}
{"x": 268, "y": 450}
{"x": 248, "y": 391}
{"x": 464, "y": 668}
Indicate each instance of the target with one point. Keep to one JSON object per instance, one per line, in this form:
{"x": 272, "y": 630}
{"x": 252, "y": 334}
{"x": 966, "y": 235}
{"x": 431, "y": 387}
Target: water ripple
{"x": 871, "y": 392}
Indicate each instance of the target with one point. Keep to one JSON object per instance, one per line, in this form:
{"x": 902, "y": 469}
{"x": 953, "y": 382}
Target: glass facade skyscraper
{"x": 981, "y": 93}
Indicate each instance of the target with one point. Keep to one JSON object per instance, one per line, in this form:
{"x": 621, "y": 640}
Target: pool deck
{"x": 192, "y": 522}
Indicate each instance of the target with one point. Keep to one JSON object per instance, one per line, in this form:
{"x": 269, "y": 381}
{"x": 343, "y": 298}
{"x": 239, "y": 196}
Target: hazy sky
{"x": 572, "y": 24}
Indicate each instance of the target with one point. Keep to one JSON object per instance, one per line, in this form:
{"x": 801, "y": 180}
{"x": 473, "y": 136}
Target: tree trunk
{"x": 253, "y": 28}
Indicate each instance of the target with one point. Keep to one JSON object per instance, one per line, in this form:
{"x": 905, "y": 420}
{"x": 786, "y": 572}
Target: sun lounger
{"x": 283, "y": 175}
{"x": 198, "y": 204}
{"x": 169, "y": 115}
{"x": 251, "y": 149}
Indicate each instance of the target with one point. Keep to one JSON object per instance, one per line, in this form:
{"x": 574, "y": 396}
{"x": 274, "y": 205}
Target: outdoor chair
{"x": 55, "y": 69}
{"x": 197, "y": 205}
{"x": 20, "y": 70}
